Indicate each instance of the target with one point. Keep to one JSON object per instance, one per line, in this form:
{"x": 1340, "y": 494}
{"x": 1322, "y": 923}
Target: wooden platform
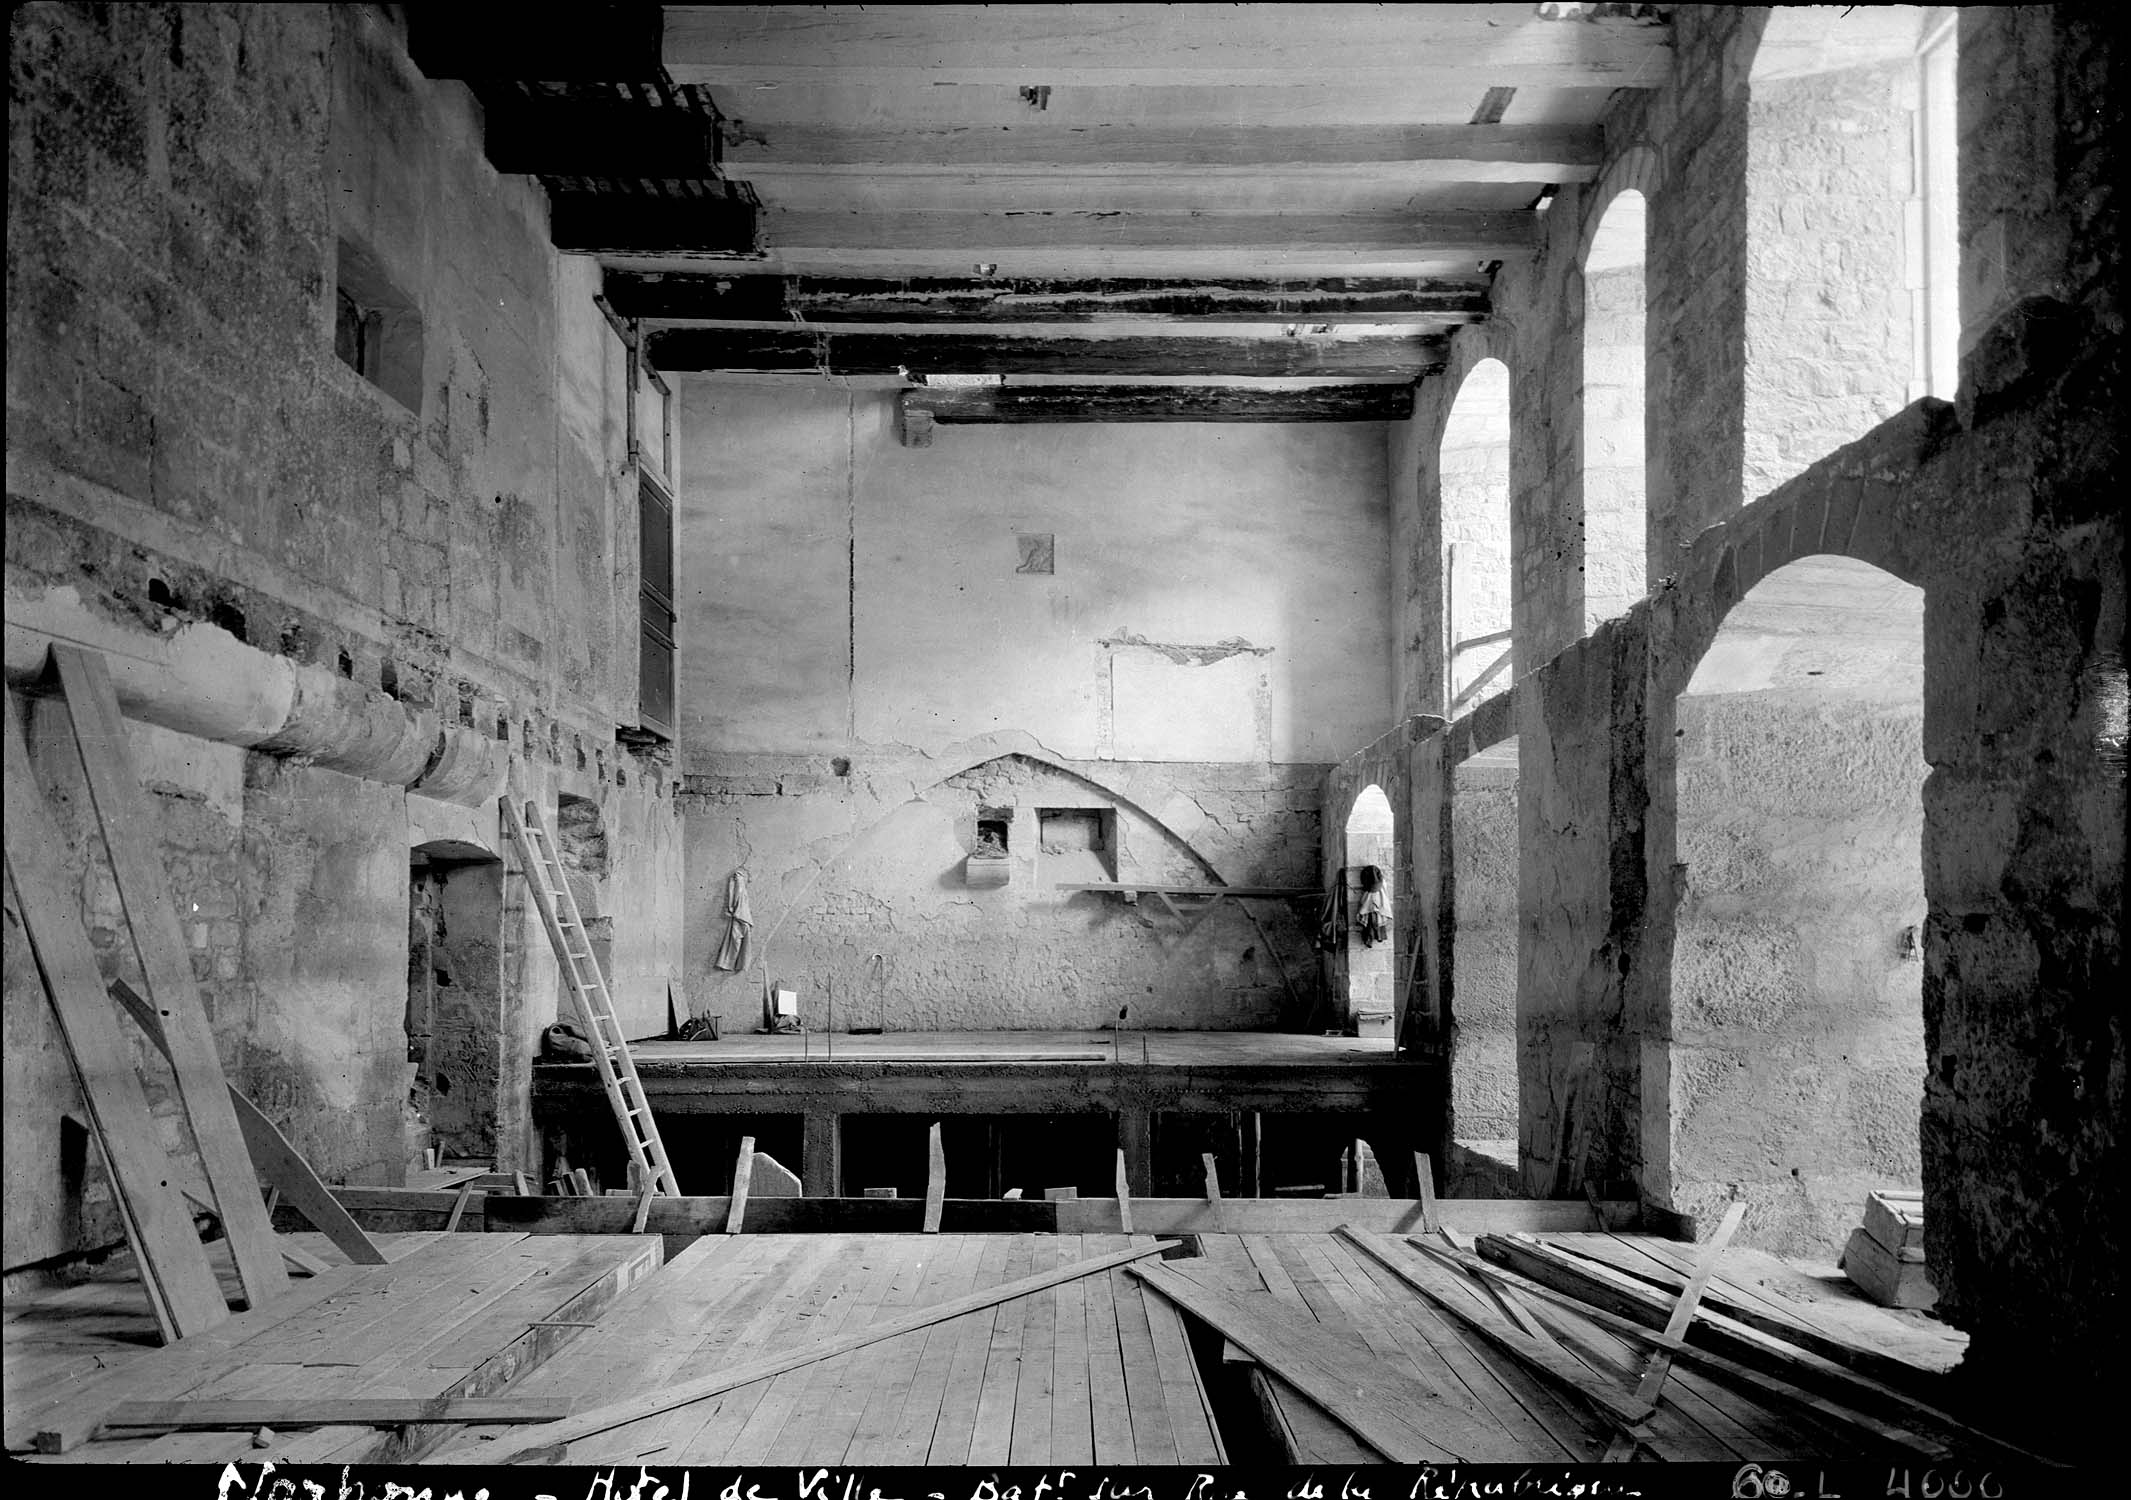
{"x": 449, "y": 1315}
{"x": 1091, "y": 1371}
{"x": 1163, "y": 1049}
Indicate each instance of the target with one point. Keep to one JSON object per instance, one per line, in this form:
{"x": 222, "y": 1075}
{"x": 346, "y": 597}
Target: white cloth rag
{"x": 740, "y": 929}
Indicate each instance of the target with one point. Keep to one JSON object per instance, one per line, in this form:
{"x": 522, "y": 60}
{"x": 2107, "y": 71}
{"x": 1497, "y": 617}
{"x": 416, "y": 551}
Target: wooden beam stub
{"x": 1164, "y": 403}
{"x": 769, "y": 351}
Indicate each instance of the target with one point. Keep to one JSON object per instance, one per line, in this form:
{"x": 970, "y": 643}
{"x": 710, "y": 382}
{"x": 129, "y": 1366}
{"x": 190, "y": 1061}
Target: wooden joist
{"x": 713, "y": 297}
{"x": 547, "y": 1437}
{"x": 409, "y": 1209}
{"x": 1660, "y": 1364}
{"x": 1163, "y": 403}
{"x": 699, "y": 222}
{"x": 915, "y": 151}
{"x": 760, "y": 351}
{"x": 604, "y": 42}
{"x": 1422, "y": 47}
{"x": 207, "y": 1414}
{"x": 598, "y": 138}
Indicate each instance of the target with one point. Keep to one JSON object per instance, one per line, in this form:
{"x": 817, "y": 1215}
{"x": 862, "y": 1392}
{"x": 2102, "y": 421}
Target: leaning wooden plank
{"x": 317, "y": 1411}
{"x": 1394, "y": 1413}
{"x": 743, "y": 1172}
{"x": 1759, "y": 1386}
{"x": 1653, "y": 1382}
{"x": 935, "y": 1179}
{"x": 1542, "y": 1354}
{"x": 280, "y": 1163}
{"x": 1626, "y": 1297}
{"x": 144, "y": 890}
{"x": 651, "y": 1404}
{"x": 1424, "y": 1177}
{"x": 1124, "y": 1195}
{"x": 158, "y": 1224}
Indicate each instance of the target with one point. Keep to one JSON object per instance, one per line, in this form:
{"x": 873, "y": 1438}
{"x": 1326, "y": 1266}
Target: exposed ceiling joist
{"x": 598, "y": 138}
{"x": 602, "y": 223}
{"x": 711, "y": 297}
{"x": 1062, "y": 45}
{"x": 848, "y": 354}
{"x": 1419, "y": 153}
{"x": 1160, "y": 403}
{"x": 597, "y": 43}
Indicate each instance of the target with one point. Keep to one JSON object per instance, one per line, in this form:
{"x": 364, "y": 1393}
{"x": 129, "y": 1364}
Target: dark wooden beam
{"x": 577, "y": 138}
{"x": 1407, "y": 153}
{"x": 590, "y": 43}
{"x": 595, "y": 223}
{"x": 710, "y": 297}
{"x": 773, "y": 350}
{"x": 1163, "y": 403}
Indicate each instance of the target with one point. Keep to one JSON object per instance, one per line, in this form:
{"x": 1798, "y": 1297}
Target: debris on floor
{"x": 1885, "y": 1256}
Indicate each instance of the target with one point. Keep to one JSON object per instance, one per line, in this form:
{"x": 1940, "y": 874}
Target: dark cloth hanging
{"x": 1370, "y": 918}
{"x": 1332, "y": 915}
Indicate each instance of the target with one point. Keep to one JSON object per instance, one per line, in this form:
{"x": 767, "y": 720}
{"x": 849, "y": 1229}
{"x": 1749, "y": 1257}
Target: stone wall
{"x": 1176, "y": 624}
{"x": 410, "y": 587}
{"x": 1483, "y": 984}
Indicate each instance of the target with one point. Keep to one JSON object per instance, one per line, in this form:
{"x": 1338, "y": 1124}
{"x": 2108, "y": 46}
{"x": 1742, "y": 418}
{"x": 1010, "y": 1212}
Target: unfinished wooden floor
{"x": 1702, "y": 1418}
{"x": 456, "y": 1315}
{"x": 1096, "y": 1370}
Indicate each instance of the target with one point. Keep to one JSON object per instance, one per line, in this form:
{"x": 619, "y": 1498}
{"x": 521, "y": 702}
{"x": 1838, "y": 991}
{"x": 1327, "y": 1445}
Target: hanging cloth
{"x": 1370, "y": 918}
{"x": 740, "y": 928}
{"x": 1332, "y": 916}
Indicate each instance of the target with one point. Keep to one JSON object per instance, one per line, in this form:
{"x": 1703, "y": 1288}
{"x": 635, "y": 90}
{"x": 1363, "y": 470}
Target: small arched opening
{"x": 1372, "y": 977}
{"x": 1796, "y": 982}
{"x": 1473, "y": 487}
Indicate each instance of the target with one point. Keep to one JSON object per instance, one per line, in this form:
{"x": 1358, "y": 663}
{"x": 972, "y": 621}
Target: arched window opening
{"x": 1852, "y": 272}
{"x": 1483, "y": 980}
{"x": 1796, "y": 985}
{"x": 1473, "y": 482}
{"x": 1372, "y": 969}
{"x": 1615, "y": 508}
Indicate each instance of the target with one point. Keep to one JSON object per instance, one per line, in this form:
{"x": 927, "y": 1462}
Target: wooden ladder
{"x": 588, "y": 989}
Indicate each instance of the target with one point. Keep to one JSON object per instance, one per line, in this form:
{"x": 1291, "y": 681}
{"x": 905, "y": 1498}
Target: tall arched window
{"x": 1473, "y": 474}
{"x": 1615, "y": 509}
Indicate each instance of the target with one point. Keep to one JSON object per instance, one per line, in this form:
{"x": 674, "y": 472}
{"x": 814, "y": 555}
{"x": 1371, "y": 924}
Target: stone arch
{"x": 1613, "y": 411}
{"x": 1639, "y": 169}
{"x": 1475, "y": 502}
{"x": 455, "y": 998}
{"x": 1369, "y": 838}
{"x": 1477, "y": 942}
{"x": 1790, "y": 814}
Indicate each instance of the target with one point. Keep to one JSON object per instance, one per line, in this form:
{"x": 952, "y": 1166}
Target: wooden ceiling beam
{"x": 1457, "y": 46}
{"x": 1159, "y": 403}
{"x": 590, "y": 43}
{"x": 1440, "y": 235}
{"x": 613, "y": 223}
{"x": 712, "y": 297}
{"x": 769, "y": 351}
{"x": 575, "y": 138}
{"x": 1419, "y": 153}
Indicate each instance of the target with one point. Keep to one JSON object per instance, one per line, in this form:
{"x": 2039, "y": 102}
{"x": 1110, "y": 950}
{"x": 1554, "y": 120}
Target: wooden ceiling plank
{"x": 713, "y": 297}
{"x": 1065, "y": 45}
{"x": 1439, "y": 153}
{"x": 771, "y": 351}
{"x": 1161, "y": 403}
{"x": 1442, "y": 234}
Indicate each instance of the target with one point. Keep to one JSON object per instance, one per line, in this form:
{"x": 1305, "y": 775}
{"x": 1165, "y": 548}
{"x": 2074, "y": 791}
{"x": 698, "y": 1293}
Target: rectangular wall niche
{"x": 1077, "y": 843}
{"x": 377, "y": 329}
{"x": 1039, "y": 552}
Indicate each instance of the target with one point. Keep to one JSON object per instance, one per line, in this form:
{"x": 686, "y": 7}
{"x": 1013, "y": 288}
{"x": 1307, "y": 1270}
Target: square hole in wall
{"x": 1077, "y": 843}
{"x": 377, "y": 329}
{"x": 1038, "y": 551}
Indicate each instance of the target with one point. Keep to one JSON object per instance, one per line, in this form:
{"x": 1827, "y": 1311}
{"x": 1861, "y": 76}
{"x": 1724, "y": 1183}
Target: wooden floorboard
{"x": 1154, "y": 1434}
{"x": 1109, "y": 1407}
{"x": 991, "y": 1436}
{"x": 1190, "y": 1418}
{"x": 1072, "y": 1393}
{"x": 1031, "y": 1437}
{"x": 905, "y": 1408}
{"x": 949, "y": 1441}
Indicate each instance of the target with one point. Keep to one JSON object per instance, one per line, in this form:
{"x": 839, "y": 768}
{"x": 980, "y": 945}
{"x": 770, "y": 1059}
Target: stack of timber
{"x": 1362, "y": 1347}
{"x": 1885, "y": 1256}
